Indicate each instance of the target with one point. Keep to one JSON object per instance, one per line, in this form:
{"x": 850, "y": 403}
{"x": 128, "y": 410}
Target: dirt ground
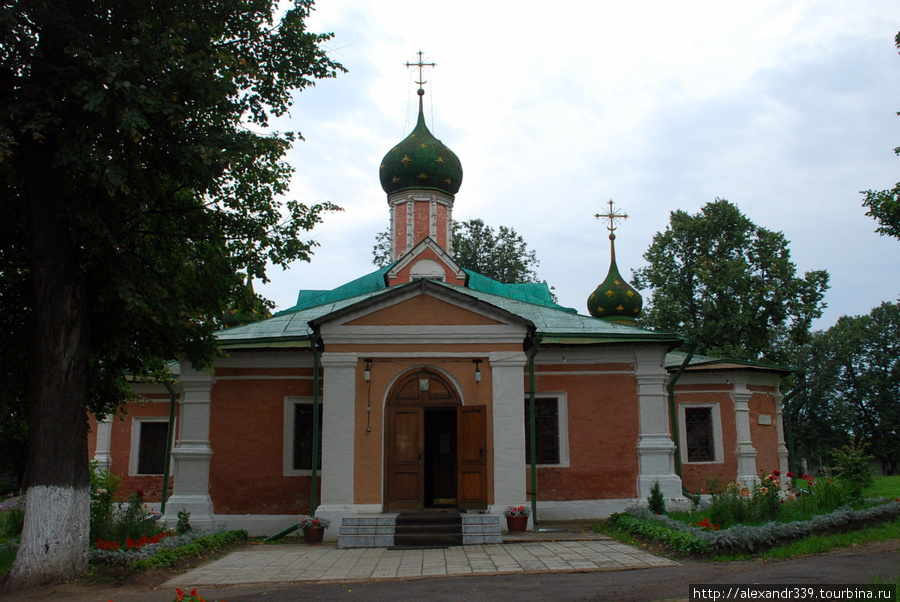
{"x": 857, "y": 565}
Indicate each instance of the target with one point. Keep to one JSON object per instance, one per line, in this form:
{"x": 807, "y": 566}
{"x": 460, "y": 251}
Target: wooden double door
{"x": 436, "y": 447}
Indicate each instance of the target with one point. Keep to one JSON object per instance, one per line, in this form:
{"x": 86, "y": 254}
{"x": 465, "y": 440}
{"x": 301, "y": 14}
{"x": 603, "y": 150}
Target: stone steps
{"x": 425, "y": 529}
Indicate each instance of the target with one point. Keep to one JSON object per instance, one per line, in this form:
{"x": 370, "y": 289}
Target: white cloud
{"x": 786, "y": 109}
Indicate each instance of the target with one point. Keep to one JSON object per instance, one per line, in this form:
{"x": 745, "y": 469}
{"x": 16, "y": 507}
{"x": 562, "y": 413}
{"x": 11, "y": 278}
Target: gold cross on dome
{"x": 611, "y": 216}
{"x": 421, "y": 65}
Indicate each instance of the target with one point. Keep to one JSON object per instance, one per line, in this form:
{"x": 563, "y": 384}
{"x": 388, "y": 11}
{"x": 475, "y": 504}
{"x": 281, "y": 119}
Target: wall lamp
{"x": 368, "y": 372}
{"x": 477, "y": 370}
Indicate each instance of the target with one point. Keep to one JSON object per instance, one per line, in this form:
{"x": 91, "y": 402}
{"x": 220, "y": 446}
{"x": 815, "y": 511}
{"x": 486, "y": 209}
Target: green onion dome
{"x": 614, "y": 299}
{"x": 421, "y": 161}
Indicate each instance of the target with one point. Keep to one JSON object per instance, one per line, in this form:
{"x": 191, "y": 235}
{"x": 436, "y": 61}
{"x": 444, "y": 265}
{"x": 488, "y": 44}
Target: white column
{"x": 655, "y": 447}
{"x": 507, "y": 413}
{"x": 192, "y": 452}
{"x": 746, "y": 453}
{"x": 102, "y": 455}
{"x": 783, "y": 454}
{"x": 338, "y": 431}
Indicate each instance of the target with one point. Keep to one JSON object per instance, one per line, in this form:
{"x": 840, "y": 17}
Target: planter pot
{"x": 516, "y": 523}
{"x": 314, "y": 534}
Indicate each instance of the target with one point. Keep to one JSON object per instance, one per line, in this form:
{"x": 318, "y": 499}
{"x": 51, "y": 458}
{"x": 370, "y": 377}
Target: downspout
{"x": 532, "y": 429}
{"x": 691, "y": 346}
{"x": 313, "y": 485}
{"x": 170, "y": 434}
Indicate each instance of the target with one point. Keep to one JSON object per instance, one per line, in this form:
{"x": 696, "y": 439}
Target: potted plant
{"x": 313, "y": 528}
{"x": 516, "y": 517}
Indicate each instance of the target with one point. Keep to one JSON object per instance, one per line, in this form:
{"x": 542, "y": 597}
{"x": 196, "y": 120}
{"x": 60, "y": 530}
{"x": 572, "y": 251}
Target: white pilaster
{"x": 102, "y": 455}
{"x": 783, "y": 454}
{"x": 656, "y": 449}
{"x": 192, "y": 452}
{"x": 508, "y": 393}
{"x": 746, "y": 453}
{"x": 338, "y": 430}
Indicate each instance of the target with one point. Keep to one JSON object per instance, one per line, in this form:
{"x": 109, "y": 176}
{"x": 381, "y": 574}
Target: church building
{"x": 424, "y": 386}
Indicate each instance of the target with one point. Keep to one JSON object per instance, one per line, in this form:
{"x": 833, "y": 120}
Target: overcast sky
{"x": 787, "y": 109}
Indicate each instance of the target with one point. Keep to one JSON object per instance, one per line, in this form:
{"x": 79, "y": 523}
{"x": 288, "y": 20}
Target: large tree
{"x": 499, "y": 254}
{"x": 884, "y": 205}
{"x": 730, "y": 285}
{"x": 138, "y": 195}
{"x": 850, "y": 388}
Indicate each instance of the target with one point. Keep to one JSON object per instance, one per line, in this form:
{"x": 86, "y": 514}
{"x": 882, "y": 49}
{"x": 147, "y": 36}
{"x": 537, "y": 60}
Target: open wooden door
{"x": 405, "y": 466}
{"x": 471, "y": 457}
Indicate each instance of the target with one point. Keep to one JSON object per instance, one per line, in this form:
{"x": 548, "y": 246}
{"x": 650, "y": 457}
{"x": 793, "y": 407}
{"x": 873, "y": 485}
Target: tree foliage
{"x": 884, "y": 205}
{"x": 138, "y": 193}
{"x": 851, "y": 388}
{"x": 502, "y": 255}
{"x": 499, "y": 254}
{"x": 729, "y": 284}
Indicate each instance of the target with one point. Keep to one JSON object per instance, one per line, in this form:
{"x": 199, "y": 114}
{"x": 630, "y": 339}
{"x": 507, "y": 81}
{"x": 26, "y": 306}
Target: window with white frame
{"x": 298, "y": 436}
{"x": 148, "y": 445}
{"x": 700, "y": 430}
{"x": 551, "y": 429}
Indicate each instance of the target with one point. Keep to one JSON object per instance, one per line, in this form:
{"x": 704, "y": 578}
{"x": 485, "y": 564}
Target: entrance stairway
{"x": 419, "y": 530}
{"x": 428, "y": 529}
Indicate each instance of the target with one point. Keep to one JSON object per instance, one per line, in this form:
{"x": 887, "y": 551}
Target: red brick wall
{"x": 694, "y": 475}
{"x": 764, "y": 437}
{"x": 603, "y": 424}
{"x": 246, "y": 436}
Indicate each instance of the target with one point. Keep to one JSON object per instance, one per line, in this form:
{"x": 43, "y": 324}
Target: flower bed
{"x": 743, "y": 538}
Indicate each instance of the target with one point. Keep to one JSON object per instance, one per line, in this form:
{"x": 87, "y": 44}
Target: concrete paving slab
{"x": 327, "y": 563}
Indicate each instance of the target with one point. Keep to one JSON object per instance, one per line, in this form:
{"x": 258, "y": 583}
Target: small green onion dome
{"x": 421, "y": 161}
{"x": 615, "y": 300}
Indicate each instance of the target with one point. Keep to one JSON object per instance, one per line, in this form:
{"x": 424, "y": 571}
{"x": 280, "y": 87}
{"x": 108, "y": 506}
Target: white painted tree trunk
{"x": 54, "y": 543}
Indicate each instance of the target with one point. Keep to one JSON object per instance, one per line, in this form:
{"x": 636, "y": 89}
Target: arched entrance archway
{"x": 436, "y": 447}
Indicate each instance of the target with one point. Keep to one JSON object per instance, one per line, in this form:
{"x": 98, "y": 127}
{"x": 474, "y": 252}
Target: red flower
{"x": 790, "y": 475}
{"x": 140, "y": 492}
{"x": 805, "y": 476}
{"x": 776, "y": 473}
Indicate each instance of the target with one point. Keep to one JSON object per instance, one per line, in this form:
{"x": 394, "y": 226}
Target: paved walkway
{"x": 324, "y": 563}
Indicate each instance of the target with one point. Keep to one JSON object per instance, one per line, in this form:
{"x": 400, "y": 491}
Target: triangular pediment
{"x": 424, "y": 310}
{"x": 426, "y": 261}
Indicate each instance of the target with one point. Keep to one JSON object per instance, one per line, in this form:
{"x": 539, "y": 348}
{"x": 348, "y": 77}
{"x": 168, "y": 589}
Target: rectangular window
{"x": 303, "y": 437}
{"x": 698, "y": 424}
{"x": 152, "y": 447}
{"x": 546, "y": 430}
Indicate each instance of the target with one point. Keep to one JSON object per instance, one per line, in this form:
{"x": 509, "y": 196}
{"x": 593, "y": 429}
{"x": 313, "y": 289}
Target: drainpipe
{"x": 532, "y": 429}
{"x": 170, "y": 434}
{"x": 691, "y": 346}
{"x": 313, "y": 485}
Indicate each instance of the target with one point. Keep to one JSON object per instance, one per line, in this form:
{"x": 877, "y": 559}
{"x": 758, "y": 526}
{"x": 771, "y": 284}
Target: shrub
{"x": 656, "y": 502}
{"x": 104, "y": 485}
{"x": 184, "y": 522}
{"x": 677, "y": 541}
{"x": 851, "y": 463}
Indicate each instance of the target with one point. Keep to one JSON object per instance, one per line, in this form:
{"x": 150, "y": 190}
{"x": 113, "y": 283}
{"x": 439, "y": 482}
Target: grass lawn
{"x": 884, "y": 487}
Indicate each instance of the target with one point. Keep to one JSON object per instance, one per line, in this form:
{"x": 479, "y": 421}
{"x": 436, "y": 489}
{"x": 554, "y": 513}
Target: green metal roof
{"x": 561, "y": 326}
{"x": 364, "y": 285}
{"x": 537, "y": 293}
{"x": 674, "y": 359}
{"x": 555, "y": 324}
